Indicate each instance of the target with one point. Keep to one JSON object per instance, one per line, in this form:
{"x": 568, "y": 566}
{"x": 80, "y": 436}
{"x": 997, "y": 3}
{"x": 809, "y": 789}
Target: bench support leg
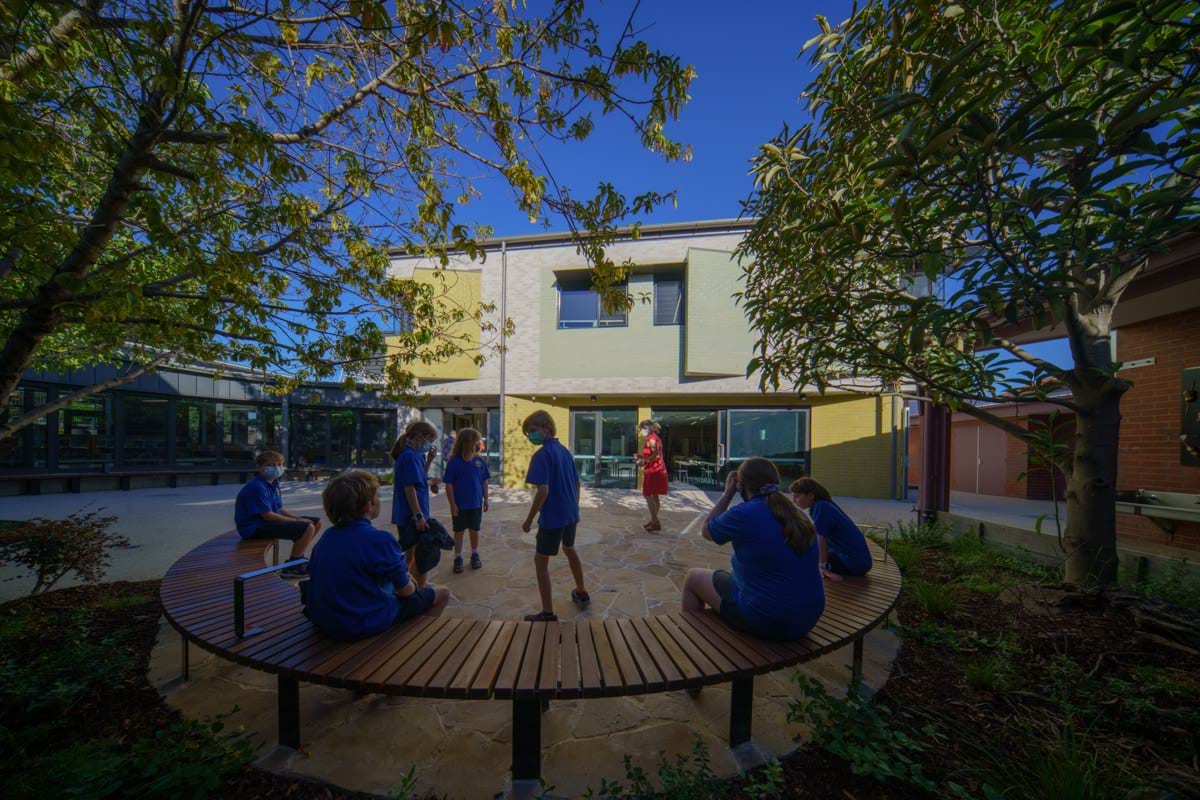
{"x": 527, "y": 740}
{"x": 183, "y": 650}
{"x": 741, "y": 710}
{"x": 856, "y": 671}
{"x": 289, "y": 712}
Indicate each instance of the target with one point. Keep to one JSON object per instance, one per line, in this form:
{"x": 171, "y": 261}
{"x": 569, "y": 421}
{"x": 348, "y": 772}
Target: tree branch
{"x": 68, "y": 27}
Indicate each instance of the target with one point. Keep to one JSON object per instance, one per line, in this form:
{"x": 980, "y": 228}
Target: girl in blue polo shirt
{"x": 359, "y": 584}
{"x": 843, "y": 546}
{"x": 413, "y": 453}
{"x": 466, "y": 478}
{"x": 775, "y": 589}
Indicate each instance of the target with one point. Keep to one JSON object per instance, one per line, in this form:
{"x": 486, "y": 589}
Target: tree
{"x": 1029, "y": 158}
{"x": 221, "y": 181}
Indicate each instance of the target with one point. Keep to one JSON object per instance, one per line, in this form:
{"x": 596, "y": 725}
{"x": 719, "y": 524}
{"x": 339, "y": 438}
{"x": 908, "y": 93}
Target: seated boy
{"x": 259, "y": 513}
{"x": 359, "y": 583}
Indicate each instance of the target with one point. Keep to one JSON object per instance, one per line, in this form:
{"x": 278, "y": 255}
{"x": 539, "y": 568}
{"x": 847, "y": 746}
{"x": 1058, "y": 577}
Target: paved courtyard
{"x": 463, "y": 748}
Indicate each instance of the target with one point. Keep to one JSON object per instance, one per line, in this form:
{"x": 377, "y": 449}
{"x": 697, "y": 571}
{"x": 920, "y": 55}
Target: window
{"x": 272, "y": 431}
{"x": 147, "y": 421}
{"x": 195, "y": 432}
{"x": 310, "y": 442}
{"x": 12, "y": 449}
{"x": 85, "y": 433}
{"x": 668, "y": 301}
{"x": 241, "y": 432}
{"x": 378, "y": 433}
{"x": 343, "y": 438}
{"x": 580, "y": 307}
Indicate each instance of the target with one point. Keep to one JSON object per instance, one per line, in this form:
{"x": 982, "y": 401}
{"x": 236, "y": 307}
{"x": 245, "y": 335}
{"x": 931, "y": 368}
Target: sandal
{"x": 581, "y": 599}
{"x": 542, "y": 616}
{"x": 654, "y": 527}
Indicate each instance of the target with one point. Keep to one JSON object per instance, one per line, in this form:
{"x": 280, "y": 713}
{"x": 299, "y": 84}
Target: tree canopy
{"x": 221, "y": 181}
{"x": 1024, "y": 159}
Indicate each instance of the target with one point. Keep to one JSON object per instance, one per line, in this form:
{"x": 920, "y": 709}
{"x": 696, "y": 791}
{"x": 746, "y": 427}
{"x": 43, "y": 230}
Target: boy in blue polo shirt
{"x": 556, "y": 506}
{"x": 359, "y": 584}
{"x": 259, "y": 513}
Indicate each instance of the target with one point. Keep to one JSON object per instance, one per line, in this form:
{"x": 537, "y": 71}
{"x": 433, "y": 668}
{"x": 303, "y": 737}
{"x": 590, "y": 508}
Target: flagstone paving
{"x": 463, "y": 748}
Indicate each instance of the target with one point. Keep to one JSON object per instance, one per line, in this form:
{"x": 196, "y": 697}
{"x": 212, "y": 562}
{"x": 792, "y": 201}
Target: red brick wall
{"x": 1014, "y": 484}
{"x": 1150, "y": 419}
{"x": 914, "y": 456}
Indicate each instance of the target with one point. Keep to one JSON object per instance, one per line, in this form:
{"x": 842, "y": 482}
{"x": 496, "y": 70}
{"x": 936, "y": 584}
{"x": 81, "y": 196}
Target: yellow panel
{"x": 517, "y": 449}
{"x": 852, "y": 446}
{"x": 458, "y": 289}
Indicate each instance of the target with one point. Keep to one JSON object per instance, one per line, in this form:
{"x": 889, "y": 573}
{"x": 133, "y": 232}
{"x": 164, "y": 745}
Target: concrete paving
{"x": 463, "y": 748}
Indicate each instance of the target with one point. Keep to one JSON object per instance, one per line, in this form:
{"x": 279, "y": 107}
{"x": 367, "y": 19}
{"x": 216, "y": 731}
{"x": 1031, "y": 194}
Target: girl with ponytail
{"x": 842, "y": 546}
{"x": 775, "y": 589}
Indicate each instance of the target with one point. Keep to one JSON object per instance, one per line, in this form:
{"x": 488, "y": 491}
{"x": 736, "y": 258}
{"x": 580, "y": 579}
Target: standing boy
{"x": 556, "y": 506}
{"x": 259, "y": 513}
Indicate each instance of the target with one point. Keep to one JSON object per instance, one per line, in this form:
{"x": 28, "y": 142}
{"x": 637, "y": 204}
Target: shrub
{"x": 904, "y": 553}
{"x": 61, "y": 676}
{"x": 938, "y": 599}
{"x": 867, "y": 736}
{"x": 989, "y": 673}
{"x": 1176, "y": 584}
{"x": 52, "y": 549}
{"x": 688, "y": 778}
{"x": 925, "y": 534}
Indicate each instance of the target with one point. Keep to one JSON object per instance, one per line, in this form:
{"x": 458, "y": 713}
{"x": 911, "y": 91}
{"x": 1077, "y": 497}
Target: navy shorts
{"x": 838, "y": 564}
{"x": 723, "y": 583}
{"x": 548, "y": 539}
{"x": 290, "y": 530}
{"x": 415, "y": 604}
{"x": 468, "y": 519}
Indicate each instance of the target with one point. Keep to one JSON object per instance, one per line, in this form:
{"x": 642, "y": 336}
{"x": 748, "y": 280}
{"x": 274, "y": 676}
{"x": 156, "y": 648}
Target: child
{"x": 259, "y": 514}
{"x": 413, "y": 453}
{"x": 556, "y": 506}
{"x": 843, "y": 546}
{"x": 359, "y": 584}
{"x": 466, "y": 480}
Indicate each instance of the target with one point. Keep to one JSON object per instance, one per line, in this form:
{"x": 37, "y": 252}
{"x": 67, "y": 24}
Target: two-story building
{"x": 678, "y": 356}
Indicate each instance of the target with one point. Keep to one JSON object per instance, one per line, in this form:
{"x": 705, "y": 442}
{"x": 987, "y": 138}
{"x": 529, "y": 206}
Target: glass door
{"x": 691, "y": 444}
{"x": 778, "y": 434}
{"x": 604, "y": 442}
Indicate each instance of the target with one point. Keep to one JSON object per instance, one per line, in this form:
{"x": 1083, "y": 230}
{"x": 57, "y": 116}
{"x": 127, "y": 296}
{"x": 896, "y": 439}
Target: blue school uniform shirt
{"x": 468, "y": 477}
{"x": 354, "y": 573}
{"x": 254, "y": 499}
{"x": 409, "y": 471}
{"x": 554, "y": 466}
{"x": 843, "y": 539}
{"x": 773, "y": 586}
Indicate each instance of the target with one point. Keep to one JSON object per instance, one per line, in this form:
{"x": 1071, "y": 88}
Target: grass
{"x": 1177, "y": 584}
{"x": 937, "y": 599}
{"x": 988, "y": 673}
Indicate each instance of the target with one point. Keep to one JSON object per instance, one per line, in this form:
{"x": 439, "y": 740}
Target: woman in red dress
{"x": 654, "y": 472}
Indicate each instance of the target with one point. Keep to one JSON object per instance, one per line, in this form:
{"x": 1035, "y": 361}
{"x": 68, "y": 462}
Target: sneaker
{"x": 476, "y": 561}
{"x": 542, "y": 616}
{"x": 294, "y": 573}
{"x": 458, "y": 564}
{"x": 581, "y": 599}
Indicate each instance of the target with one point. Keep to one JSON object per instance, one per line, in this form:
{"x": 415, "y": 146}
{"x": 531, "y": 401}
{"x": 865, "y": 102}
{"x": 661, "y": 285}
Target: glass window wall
{"x": 85, "y": 433}
{"x": 195, "y": 432}
{"x": 378, "y": 434}
{"x": 147, "y": 424}
{"x": 241, "y": 427}
{"x": 343, "y": 438}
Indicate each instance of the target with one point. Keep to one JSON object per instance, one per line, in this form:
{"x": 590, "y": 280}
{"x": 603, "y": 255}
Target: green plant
{"x": 1066, "y": 769}
{"x": 988, "y": 673}
{"x": 52, "y": 549}
{"x": 407, "y": 786}
{"x": 904, "y": 553}
{"x": 925, "y": 534}
{"x": 867, "y": 735}
{"x": 765, "y": 783}
{"x": 1177, "y": 584}
{"x": 187, "y": 760}
{"x": 687, "y": 778}
{"x": 61, "y": 676}
{"x": 937, "y": 599}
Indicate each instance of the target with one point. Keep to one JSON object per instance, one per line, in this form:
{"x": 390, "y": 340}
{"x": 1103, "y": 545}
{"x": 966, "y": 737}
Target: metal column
{"x": 741, "y": 710}
{"x": 527, "y": 740}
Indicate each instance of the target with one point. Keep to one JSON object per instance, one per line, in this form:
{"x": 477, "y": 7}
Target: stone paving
{"x": 463, "y": 748}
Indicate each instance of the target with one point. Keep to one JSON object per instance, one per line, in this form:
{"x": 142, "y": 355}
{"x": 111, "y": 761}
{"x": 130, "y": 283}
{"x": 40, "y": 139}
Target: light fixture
{"x": 593, "y": 398}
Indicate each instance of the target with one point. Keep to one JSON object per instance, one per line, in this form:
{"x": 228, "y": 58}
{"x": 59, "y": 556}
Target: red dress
{"x": 654, "y": 477}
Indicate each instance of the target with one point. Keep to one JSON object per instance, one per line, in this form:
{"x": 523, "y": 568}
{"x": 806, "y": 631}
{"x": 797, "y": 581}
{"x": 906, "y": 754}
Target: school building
{"x": 678, "y": 356}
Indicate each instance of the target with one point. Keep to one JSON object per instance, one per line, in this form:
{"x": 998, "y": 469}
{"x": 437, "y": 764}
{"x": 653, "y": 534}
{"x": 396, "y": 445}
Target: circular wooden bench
{"x": 221, "y": 597}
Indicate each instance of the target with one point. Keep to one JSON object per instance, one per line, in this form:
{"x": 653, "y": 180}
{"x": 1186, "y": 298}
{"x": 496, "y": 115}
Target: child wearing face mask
{"x": 359, "y": 584}
{"x": 413, "y": 452}
{"x": 556, "y": 506}
{"x": 259, "y": 513}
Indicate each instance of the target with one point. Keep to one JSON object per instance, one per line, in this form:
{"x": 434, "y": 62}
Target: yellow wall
{"x": 459, "y": 290}
{"x": 851, "y": 436}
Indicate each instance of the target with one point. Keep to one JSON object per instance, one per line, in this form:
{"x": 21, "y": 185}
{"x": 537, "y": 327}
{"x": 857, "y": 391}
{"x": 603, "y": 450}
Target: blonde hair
{"x": 541, "y": 419}
{"x": 413, "y": 431}
{"x": 268, "y": 457}
{"x": 349, "y": 495}
{"x": 798, "y": 531}
{"x": 466, "y": 444}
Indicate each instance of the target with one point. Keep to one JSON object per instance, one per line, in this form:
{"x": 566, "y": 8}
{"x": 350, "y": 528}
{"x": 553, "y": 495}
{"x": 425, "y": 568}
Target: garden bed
{"x": 1003, "y": 687}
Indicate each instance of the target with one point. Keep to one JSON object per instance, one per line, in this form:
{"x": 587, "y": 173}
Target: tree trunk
{"x": 1091, "y": 532}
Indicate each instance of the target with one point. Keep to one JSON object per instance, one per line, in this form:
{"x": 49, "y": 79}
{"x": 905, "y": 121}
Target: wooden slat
{"x": 651, "y": 676}
{"x": 547, "y": 684}
{"x": 570, "y": 685}
{"x": 668, "y": 669}
{"x": 506, "y": 680}
{"x": 422, "y": 679}
{"x": 458, "y": 684}
{"x": 742, "y": 665}
{"x": 610, "y": 674}
{"x": 527, "y": 679}
{"x": 589, "y": 666}
{"x": 398, "y": 676}
{"x": 630, "y": 676}
{"x": 691, "y": 673}
{"x": 489, "y": 671}
{"x": 392, "y": 658}
{"x": 710, "y": 661}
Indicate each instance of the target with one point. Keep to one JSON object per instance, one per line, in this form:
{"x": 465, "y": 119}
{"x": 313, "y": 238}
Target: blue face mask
{"x": 536, "y": 437}
{"x": 272, "y": 473}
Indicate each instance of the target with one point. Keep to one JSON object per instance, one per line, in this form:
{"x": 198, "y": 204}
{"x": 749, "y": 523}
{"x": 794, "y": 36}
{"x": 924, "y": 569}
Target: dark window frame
{"x": 679, "y": 317}
{"x": 600, "y": 317}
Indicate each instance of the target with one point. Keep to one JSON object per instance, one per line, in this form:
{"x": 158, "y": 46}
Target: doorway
{"x": 604, "y": 441}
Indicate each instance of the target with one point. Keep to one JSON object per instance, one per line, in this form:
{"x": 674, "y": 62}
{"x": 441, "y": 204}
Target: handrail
{"x": 239, "y": 595}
